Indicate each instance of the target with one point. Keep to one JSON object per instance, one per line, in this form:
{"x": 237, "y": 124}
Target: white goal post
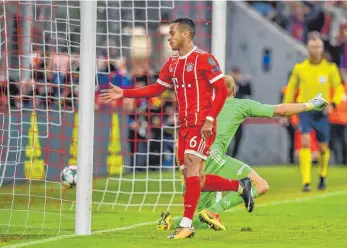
{"x": 219, "y": 25}
{"x": 85, "y": 155}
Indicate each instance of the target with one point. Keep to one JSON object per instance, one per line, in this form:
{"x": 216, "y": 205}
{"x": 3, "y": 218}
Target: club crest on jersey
{"x": 211, "y": 61}
{"x": 189, "y": 67}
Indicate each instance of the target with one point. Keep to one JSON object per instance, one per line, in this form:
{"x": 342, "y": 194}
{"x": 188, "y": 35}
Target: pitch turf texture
{"x": 285, "y": 217}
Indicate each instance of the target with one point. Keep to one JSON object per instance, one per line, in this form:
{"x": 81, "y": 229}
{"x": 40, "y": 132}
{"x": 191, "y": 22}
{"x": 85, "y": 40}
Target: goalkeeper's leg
{"x": 235, "y": 169}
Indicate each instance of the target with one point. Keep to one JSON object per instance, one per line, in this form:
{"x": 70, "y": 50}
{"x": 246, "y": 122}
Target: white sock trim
{"x": 186, "y": 222}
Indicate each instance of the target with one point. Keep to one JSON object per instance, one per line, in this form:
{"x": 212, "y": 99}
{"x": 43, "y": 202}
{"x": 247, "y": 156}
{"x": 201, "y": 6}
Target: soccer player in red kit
{"x": 200, "y": 92}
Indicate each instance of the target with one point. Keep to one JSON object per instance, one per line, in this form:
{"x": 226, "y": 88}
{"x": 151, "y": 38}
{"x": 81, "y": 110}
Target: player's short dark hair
{"x": 314, "y": 35}
{"x": 186, "y": 24}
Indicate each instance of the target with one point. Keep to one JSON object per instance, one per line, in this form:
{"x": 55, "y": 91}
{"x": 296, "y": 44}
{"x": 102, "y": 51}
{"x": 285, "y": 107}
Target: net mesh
{"x": 134, "y": 165}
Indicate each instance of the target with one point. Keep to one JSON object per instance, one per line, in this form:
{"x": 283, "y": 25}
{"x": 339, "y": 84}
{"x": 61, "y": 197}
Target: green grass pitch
{"x": 284, "y": 217}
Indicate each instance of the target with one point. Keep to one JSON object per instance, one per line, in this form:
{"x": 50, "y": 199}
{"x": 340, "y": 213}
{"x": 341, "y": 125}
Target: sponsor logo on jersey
{"x": 211, "y": 61}
{"x": 189, "y": 67}
{"x": 322, "y": 79}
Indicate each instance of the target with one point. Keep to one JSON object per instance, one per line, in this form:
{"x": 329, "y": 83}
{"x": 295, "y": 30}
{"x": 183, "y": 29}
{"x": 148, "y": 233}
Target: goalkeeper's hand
{"x": 317, "y": 103}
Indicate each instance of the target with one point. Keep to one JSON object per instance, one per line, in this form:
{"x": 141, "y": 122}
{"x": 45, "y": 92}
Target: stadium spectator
{"x": 12, "y": 88}
{"x": 155, "y": 141}
{"x": 338, "y": 12}
{"x": 338, "y": 120}
{"x": 59, "y": 69}
{"x": 137, "y": 135}
{"x": 300, "y": 18}
{"x": 290, "y": 123}
{"x": 296, "y": 22}
{"x": 107, "y": 71}
{"x": 266, "y": 8}
{"x": 170, "y": 124}
{"x": 314, "y": 18}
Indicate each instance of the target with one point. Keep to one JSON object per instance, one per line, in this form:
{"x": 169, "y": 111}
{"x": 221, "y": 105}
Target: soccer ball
{"x": 68, "y": 176}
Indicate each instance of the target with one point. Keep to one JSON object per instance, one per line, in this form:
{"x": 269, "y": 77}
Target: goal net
{"x": 134, "y": 162}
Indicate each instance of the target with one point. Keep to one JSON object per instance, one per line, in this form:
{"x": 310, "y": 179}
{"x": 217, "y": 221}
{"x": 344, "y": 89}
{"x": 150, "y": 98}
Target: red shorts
{"x": 191, "y": 142}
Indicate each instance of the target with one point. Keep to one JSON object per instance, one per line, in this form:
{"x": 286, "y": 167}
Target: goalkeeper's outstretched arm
{"x": 287, "y": 109}
{"x": 257, "y": 109}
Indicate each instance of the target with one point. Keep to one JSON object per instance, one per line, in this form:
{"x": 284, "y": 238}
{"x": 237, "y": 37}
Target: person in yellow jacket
{"x": 315, "y": 74}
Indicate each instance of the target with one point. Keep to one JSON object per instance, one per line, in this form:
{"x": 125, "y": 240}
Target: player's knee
{"x": 305, "y": 141}
{"x": 264, "y": 187}
{"x": 322, "y": 149}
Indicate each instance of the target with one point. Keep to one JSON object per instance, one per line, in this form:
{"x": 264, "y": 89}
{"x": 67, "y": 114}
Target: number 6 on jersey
{"x": 192, "y": 142}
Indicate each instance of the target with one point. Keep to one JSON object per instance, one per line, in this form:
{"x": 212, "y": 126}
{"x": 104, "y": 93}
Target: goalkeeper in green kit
{"x": 234, "y": 112}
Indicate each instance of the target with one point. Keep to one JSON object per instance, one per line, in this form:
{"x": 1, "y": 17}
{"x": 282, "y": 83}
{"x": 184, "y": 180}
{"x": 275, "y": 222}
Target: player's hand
{"x": 317, "y": 103}
{"x": 206, "y": 130}
{"x": 113, "y": 93}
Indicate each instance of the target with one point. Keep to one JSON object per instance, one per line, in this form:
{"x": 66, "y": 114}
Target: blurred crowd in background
{"x": 55, "y": 81}
{"x": 299, "y": 18}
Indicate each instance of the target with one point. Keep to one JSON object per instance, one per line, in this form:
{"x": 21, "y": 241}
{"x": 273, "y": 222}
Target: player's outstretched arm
{"x": 162, "y": 84}
{"x": 287, "y": 109}
{"x": 257, "y": 109}
{"x": 114, "y": 92}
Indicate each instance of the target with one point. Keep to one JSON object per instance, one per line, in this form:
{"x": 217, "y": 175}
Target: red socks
{"x": 217, "y": 183}
{"x": 191, "y": 196}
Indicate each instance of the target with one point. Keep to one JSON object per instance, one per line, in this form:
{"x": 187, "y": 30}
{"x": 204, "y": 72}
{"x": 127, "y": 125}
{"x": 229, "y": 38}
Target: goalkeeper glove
{"x": 317, "y": 103}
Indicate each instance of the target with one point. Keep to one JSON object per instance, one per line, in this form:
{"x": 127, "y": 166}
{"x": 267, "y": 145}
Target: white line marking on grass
{"x": 125, "y": 227}
{"x": 303, "y": 199}
{"x": 36, "y": 242}
{"x": 42, "y": 241}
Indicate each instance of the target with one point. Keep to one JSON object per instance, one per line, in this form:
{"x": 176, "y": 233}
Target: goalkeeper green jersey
{"x": 234, "y": 112}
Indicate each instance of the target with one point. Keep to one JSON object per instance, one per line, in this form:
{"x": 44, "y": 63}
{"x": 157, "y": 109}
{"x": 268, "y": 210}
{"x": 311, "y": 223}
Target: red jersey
{"x": 191, "y": 76}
